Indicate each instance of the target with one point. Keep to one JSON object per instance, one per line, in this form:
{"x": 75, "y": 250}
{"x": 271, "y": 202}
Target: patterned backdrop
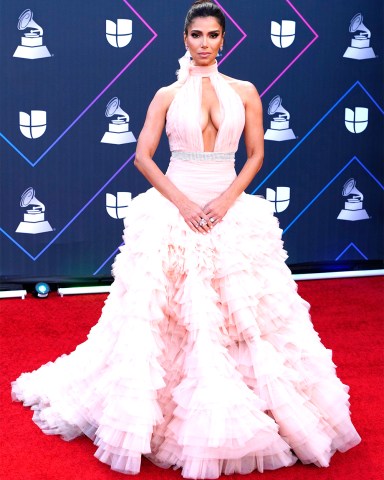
{"x": 77, "y": 77}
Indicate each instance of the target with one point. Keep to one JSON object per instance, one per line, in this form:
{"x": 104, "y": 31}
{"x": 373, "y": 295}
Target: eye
{"x": 194, "y": 35}
{"x": 214, "y": 35}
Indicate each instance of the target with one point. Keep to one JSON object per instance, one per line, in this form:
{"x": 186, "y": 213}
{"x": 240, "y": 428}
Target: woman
{"x": 204, "y": 357}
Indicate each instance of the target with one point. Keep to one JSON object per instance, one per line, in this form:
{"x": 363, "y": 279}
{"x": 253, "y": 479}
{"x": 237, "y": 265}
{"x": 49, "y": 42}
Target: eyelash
{"x": 196, "y": 35}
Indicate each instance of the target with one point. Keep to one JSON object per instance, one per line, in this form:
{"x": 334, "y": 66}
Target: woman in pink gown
{"x": 205, "y": 357}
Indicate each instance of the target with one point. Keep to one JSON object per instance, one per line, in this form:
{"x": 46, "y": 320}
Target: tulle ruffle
{"x": 204, "y": 357}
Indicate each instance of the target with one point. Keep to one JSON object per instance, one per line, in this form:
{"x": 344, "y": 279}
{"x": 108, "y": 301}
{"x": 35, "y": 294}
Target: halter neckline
{"x": 203, "y": 71}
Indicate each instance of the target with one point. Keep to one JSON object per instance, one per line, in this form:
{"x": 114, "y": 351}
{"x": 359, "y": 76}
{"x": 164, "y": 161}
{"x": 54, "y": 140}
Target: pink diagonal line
{"x": 141, "y": 18}
{"x": 237, "y": 26}
{"x": 100, "y": 94}
{"x": 231, "y": 50}
{"x": 303, "y": 19}
{"x": 94, "y": 101}
{"x": 134, "y": 58}
{"x": 316, "y": 36}
{"x": 120, "y": 73}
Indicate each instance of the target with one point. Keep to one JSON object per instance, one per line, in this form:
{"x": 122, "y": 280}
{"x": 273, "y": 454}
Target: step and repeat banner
{"x": 77, "y": 77}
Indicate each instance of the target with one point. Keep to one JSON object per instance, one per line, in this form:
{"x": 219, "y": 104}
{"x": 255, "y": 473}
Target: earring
{"x": 186, "y": 47}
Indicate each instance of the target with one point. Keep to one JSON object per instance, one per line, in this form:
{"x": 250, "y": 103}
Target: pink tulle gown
{"x": 205, "y": 357}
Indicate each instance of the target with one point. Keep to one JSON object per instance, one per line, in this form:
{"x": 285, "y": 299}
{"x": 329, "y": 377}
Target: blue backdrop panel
{"x": 76, "y": 80}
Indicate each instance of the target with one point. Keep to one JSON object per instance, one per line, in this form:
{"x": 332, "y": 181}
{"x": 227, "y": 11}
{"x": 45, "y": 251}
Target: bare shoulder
{"x": 246, "y": 90}
{"x": 164, "y": 96}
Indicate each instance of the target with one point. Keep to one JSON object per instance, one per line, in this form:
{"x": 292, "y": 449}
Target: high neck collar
{"x": 203, "y": 71}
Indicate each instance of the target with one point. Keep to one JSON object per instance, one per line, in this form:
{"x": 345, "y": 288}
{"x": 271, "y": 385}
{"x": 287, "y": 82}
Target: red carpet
{"x": 348, "y": 314}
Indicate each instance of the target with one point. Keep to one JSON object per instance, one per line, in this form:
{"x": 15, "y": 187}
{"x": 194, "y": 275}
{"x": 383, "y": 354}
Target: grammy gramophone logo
{"x": 279, "y": 197}
{"x": 117, "y": 206}
{"x": 279, "y": 129}
{"x": 119, "y": 34}
{"x": 34, "y": 220}
{"x": 360, "y": 48}
{"x": 118, "y": 130}
{"x": 283, "y": 35}
{"x": 353, "y": 207}
{"x": 356, "y": 120}
{"x": 32, "y": 40}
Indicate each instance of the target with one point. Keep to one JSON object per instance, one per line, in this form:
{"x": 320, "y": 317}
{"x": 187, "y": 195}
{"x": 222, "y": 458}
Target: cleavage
{"x": 210, "y": 115}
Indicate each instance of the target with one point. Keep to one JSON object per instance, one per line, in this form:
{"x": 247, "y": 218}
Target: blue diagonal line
{"x": 370, "y": 173}
{"x": 17, "y": 244}
{"x": 325, "y": 188}
{"x": 85, "y": 206}
{"x": 76, "y": 216}
{"x": 305, "y": 137}
{"x": 347, "y": 248}
{"x": 16, "y": 149}
{"x": 318, "y": 195}
{"x": 370, "y": 96}
{"x": 107, "y": 260}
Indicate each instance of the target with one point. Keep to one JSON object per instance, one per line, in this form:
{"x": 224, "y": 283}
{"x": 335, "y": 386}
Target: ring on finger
{"x": 212, "y": 220}
{"x": 202, "y": 222}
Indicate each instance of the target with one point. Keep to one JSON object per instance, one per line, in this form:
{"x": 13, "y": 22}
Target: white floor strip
{"x": 329, "y": 275}
{"x": 13, "y": 294}
{"x": 83, "y": 290}
{"x": 106, "y": 288}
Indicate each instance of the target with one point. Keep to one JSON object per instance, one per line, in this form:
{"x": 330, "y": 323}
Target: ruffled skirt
{"x": 205, "y": 357}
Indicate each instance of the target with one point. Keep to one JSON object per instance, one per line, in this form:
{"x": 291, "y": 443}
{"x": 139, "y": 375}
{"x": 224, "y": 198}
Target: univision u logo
{"x": 356, "y": 120}
{"x": 117, "y": 207}
{"x": 283, "y": 35}
{"x": 34, "y": 125}
{"x": 280, "y": 198}
{"x": 119, "y": 34}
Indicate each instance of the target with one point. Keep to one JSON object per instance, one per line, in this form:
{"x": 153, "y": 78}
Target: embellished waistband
{"x": 219, "y": 156}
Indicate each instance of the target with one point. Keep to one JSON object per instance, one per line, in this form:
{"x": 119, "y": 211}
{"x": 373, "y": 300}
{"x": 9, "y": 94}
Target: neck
{"x": 203, "y": 70}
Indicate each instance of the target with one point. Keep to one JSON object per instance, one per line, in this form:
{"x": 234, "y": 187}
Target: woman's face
{"x": 204, "y": 39}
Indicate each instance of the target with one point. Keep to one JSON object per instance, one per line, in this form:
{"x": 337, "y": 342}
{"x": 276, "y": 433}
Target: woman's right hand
{"x": 194, "y": 216}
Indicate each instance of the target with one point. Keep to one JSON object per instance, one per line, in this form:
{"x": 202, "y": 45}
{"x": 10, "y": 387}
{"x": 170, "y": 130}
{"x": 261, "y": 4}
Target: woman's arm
{"x": 254, "y": 143}
{"x": 147, "y": 144}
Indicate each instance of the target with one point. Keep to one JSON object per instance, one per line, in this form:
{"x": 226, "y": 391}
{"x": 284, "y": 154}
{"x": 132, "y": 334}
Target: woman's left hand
{"x": 216, "y": 210}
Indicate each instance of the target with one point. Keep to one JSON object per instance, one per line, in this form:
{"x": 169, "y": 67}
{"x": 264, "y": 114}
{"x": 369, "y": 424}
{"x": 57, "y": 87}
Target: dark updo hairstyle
{"x": 204, "y": 8}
